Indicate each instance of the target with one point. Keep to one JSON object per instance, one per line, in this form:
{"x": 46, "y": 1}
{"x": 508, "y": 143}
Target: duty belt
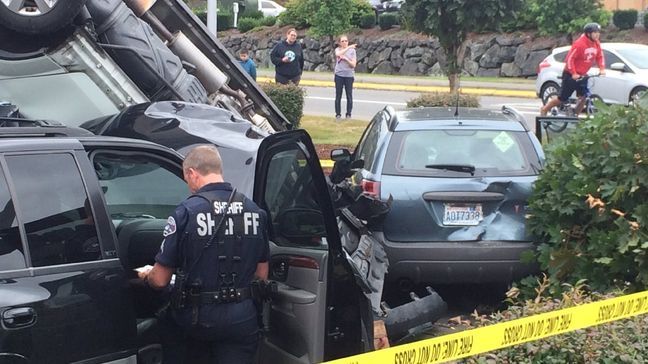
{"x": 225, "y": 295}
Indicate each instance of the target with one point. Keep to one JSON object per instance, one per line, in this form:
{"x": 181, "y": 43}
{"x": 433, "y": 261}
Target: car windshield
{"x": 489, "y": 152}
{"x": 637, "y": 56}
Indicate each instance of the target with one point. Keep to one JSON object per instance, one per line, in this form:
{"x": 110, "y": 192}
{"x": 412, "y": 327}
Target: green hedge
{"x": 288, "y": 98}
{"x": 224, "y": 20}
{"x": 201, "y": 13}
{"x": 445, "y": 99}
{"x": 616, "y": 342}
{"x": 246, "y": 24}
{"x": 359, "y": 14}
{"x": 645, "y": 20}
{"x": 269, "y": 21}
{"x": 387, "y": 20}
{"x": 367, "y": 21}
{"x": 589, "y": 208}
{"x": 625, "y": 19}
{"x": 254, "y": 14}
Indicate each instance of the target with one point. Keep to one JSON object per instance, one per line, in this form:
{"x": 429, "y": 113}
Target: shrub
{"x": 201, "y": 13}
{"x": 621, "y": 341}
{"x": 387, "y": 20}
{"x": 367, "y": 21}
{"x": 645, "y": 20}
{"x": 269, "y": 21}
{"x": 360, "y": 14}
{"x": 252, "y": 13}
{"x": 224, "y": 20}
{"x": 625, "y": 19}
{"x": 246, "y": 24}
{"x": 288, "y": 98}
{"x": 298, "y": 13}
{"x": 443, "y": 99}
{"x": 590, "y": 203}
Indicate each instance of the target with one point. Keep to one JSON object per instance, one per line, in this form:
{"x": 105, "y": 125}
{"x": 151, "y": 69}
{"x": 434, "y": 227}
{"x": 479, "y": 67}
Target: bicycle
{"x": 568, "y": 108}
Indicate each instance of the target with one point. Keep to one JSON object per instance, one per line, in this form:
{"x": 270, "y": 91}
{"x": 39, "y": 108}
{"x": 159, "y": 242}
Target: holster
{"x": 263, "y": 290}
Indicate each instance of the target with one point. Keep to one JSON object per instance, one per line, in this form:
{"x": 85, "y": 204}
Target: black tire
{"x": 547, "y": 90}
{"x": 557, "y": 111}
{"x": 636, "y": 93}
{"x": 29, "y": 19}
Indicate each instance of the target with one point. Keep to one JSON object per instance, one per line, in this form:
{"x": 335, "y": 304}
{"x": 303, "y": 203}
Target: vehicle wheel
{"x": 636, "y": 93}
{"x": 548, "y": 89}
{"x": 38, "y": 16}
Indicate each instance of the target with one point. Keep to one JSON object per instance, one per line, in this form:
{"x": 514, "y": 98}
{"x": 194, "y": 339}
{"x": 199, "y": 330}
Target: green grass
{"x": 326, "y": 130}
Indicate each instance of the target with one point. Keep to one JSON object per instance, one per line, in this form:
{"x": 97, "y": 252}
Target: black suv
{"x": 80, "y": 211}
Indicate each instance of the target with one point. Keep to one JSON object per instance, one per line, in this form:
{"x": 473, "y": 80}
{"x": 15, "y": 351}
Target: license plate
{"x": 462, "y": 214}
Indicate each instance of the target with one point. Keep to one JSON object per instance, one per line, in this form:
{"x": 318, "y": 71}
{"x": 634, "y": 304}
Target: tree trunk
{"x": 453, "y": 80}
{"x": 455, "y": 57}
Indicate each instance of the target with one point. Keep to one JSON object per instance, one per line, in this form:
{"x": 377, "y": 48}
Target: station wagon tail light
{"x": 544, "y": 64}
{"x": 371, "y": 188}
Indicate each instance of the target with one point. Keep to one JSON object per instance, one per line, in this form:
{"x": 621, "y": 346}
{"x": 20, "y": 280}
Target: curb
{"x": 416, "y": 88}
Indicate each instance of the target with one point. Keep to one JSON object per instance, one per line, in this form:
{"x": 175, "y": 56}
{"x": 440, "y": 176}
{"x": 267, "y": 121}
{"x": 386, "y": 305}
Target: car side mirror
{"x": 618, "y": 66}
{"x": 340, "y": 154}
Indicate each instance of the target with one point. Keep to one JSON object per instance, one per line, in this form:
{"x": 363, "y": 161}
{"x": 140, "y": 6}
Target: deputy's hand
{"x": 143, "y": 272}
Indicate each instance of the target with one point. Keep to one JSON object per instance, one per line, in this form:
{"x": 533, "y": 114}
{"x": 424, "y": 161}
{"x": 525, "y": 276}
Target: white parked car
{"x": 626, "y": 73}
{"x": 270, "y": 8}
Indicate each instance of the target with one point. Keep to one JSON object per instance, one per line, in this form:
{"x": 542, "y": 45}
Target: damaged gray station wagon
{"x": 149, "y": 70}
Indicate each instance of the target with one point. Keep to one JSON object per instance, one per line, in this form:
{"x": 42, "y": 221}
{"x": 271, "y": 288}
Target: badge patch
{"x": 170, "y": 227}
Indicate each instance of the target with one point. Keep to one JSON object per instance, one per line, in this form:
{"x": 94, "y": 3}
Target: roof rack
{"x": 508, "y": 110}
{"x": 18, "y": 127}
{"x": 21, "y": 122}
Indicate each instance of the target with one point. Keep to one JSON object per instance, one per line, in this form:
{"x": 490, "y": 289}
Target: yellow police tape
{"x": 489, "y": 338}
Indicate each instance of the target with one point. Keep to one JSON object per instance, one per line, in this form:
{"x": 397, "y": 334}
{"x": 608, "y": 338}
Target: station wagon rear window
{"x": 454, "y": 153}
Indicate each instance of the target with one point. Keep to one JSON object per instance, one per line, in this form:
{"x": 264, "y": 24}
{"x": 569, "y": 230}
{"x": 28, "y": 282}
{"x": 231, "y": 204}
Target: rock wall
{"x": 403, "y": 53}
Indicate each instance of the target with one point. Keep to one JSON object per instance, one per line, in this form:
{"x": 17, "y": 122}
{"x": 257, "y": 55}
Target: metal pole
{"x": 212, "y": 10}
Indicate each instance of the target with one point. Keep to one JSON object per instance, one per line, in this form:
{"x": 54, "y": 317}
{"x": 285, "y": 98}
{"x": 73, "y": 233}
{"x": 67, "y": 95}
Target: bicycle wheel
{"x": 590, "y": 108}
{"x": 564, "y": 109}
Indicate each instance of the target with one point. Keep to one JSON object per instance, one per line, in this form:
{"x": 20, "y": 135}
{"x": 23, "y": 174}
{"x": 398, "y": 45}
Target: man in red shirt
{"x": 583, "y": 53}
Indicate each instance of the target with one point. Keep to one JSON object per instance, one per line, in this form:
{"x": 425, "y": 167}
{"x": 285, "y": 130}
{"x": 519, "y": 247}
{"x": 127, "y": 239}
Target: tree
{"x": 332, "y": 18}
{"x": 566, "y": 16}
{"x": 452, "y": 20}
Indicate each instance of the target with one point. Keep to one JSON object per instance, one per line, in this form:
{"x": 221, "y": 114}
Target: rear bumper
{"x": 458, "y": 262}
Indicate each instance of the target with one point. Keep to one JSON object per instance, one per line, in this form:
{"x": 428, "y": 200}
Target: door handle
{"x": 18, "y": 317}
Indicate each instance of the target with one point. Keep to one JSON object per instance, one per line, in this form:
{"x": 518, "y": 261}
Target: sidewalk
{"x": 512, "y": 87}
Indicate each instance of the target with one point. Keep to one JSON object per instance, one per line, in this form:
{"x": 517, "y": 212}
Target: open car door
{"x": 318, "y": 313}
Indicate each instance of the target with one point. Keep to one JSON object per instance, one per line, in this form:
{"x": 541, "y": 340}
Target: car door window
{"x": 11, "y": 248}
{"x": 292, "y": 201}
{"x": 57, "y": 216}
{"x": 369, "y": 142}
{"x": 560, "y": 57}
{"x": 611, "y": 58}
{"x": 138, "y": 186}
